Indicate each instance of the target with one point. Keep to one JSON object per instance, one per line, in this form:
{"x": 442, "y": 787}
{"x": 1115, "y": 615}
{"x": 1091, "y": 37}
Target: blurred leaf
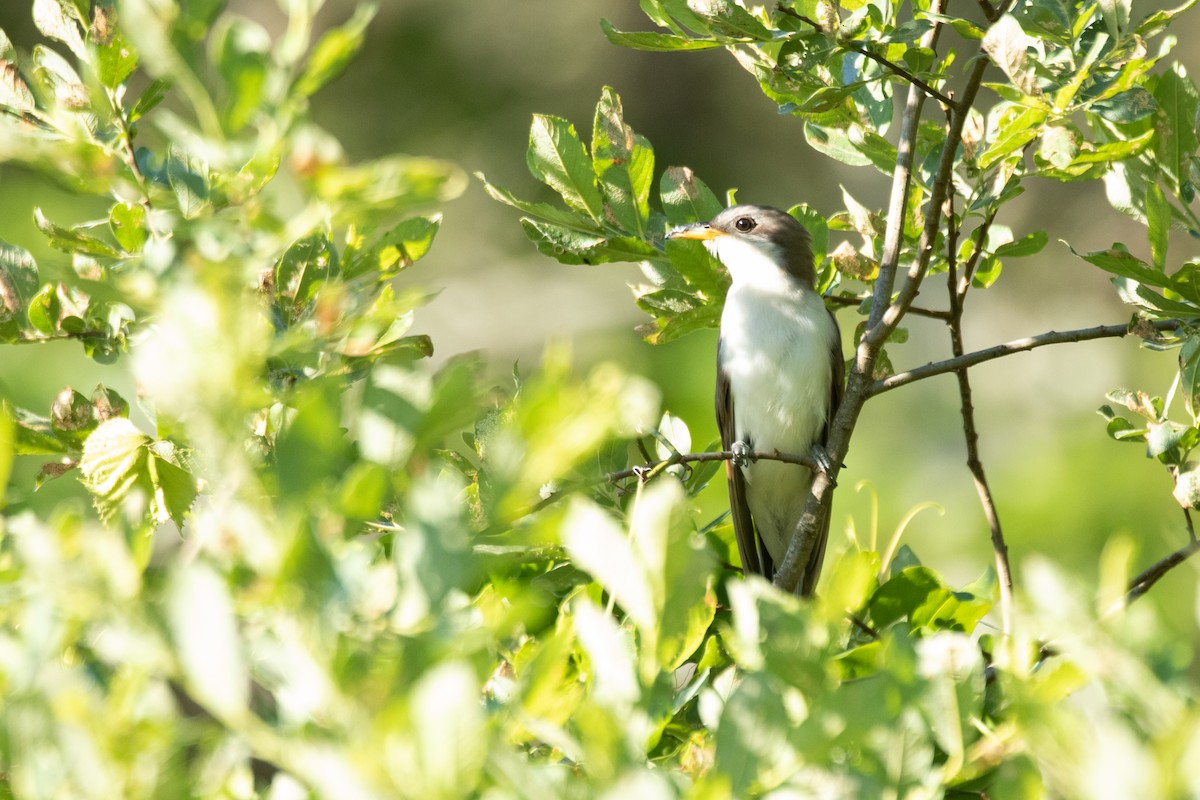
{"x": 557, "y": 158}
{"x": 1189, "y": 374}
{"x": 155, "y": 93}
{"x": 188, "y": 176}
{"x": 127, "y": 221}
{"x": 306, "y": 266}
{"x": 14, "y": 91}
{"x": 200, "y": 618}
{"x": 8, "y": 449}
{"x": 597, "y": 544}
{"x": 333, "y": 52}
{"x": 60, "y": 20}
{"x": 71, "y": 241}
{"x": 116, "y": 58}
{"x": 312, "y": 451}
{"x": 18, "y": 279}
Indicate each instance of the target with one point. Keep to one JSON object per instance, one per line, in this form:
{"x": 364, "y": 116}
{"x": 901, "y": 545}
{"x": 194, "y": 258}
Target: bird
{"x": 779, "y": 377}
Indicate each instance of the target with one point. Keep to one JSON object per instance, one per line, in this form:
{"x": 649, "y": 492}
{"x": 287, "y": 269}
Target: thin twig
{"x": 1142, "y": 583}
{"x": 890, "y": 318}
{"x": 855, "y": 300}
{"x": 859, "y": 47}
{"x": 957, "y": 291}
{"x": 1008, "y": 348}
{"x": 648, "y": 470}
{"x": 858, "y": 387}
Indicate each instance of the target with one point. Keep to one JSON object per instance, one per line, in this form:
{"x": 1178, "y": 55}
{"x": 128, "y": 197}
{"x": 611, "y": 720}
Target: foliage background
{"x": 458, "y": 79}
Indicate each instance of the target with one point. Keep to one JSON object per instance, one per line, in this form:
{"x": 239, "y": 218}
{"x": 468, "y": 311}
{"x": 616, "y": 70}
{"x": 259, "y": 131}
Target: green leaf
{"x": 188, "y": 177}
{"x": 19, "y": 280}
{"x": 396, "y": 250}
{"x": 71, "y": 241}
{"x": 243, "y": 52}
{"x": 14, "y": 91}
{"x": 1158, "y": 222}
{"x": 155, "y": 93}
{"x": 45, "y": 310}
{"x": 544, "y": 211}
{"x": 835, "y": 143}
{"x": 1059, "y": 145}
{"x": 597, "y": 544}
{"x": 203, "y": 626}
{"x": 306, "y": 265}
{"x": 1126, "y": 107}
{"x": 116, "y": 59}
{"x": 127, "y": 221}
{"x": 685, "y": 198}
{"x": 1017, "y": 129}
{"x": 72, "y": 416}
{"x": 1027, "y": 245}
{"x": 1175, "y": 142}
{"x": 694, "y": 263}
{"x": 1008, "y": 46}
{"x": 1189, "y": 374}
{"x": 557, "y": 158}
{"x": 113, "y": 464}
{"x": 175, "y": 488}
{"x": 655, "y": 42}
{"x": 903, "y": 594}
{"x": 986, "y": 272}
{"x": 333, "y": 52}
{"x": 1123, "y": 263}
{"x": 60, "y": 20}
{"x": 572, "y": 246}
{"x": 624, "y": 163}
{"x": 726, "y": 18}
{"x": 8, "y": 449}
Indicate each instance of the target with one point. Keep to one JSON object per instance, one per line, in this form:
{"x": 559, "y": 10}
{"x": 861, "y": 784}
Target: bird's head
{"x": 749, "y": 239}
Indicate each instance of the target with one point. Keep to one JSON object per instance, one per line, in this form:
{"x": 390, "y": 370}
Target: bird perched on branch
{"x": 779, "y": 377}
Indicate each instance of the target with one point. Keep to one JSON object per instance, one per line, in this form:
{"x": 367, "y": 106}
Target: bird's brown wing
{"x": 836, "y": 385}
{"x": 755, "y": 558}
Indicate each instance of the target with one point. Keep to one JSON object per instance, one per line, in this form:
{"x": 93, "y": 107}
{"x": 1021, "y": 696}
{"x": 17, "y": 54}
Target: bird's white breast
{"x": 776, "y": 339}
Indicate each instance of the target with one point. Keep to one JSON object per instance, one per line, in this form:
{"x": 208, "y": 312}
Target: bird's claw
{"x": 742, "y": 454}
{"x": 824, "y": 462}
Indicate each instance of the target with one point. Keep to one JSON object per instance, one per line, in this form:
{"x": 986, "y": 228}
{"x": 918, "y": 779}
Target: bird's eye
{"x": 744, "y": 224}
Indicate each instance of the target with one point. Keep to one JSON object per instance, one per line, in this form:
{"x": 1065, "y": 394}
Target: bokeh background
{"x": 459, "y": 79}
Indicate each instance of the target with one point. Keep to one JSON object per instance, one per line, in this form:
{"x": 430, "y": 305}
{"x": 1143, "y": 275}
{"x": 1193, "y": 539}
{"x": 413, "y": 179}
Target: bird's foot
{"x": 824, "y": 462}
{"x": 742, "y": 454}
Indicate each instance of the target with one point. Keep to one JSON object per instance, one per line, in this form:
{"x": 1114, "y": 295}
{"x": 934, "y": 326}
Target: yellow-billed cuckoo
{"x": 779, "y": 377}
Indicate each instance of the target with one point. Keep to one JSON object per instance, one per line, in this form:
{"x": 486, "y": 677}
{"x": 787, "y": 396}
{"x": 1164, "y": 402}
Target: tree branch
{"x": 862, "y": 49}
{"x": 650, "y": 469}
{"x": 958, "y": 290}
{"x": 855, "y": 300}
{"x": 1007, "y": 349}
{"x": 885, "y": 314}
{"x": 1143, "y": 583}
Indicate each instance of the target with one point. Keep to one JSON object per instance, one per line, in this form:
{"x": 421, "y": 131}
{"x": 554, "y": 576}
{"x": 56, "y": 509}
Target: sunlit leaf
{"x": 557, "y": 158}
